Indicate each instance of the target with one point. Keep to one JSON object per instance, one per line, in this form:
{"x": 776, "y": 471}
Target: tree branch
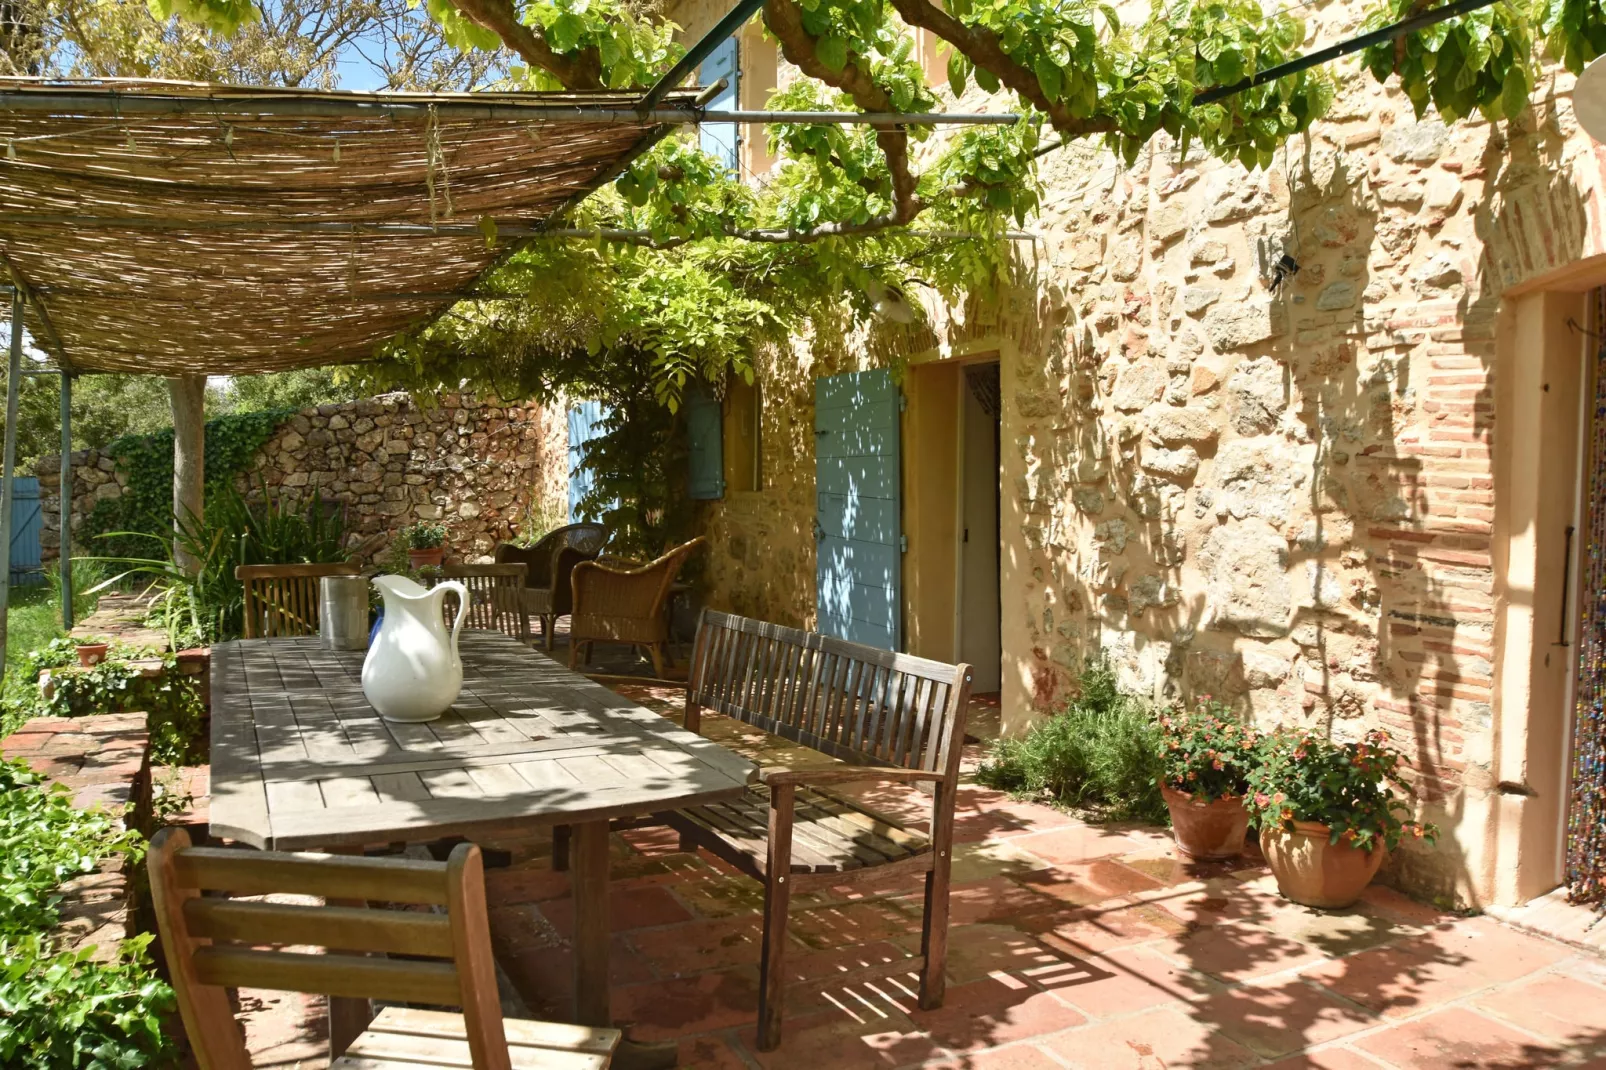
{"x": 785, "y": 21}
{"x": 981, "y": 47}
{"x": 580, "y": 71}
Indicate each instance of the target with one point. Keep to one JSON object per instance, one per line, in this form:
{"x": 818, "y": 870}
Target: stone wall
{"x": 1282, "y": 497}
{"x": 482, "y": 468}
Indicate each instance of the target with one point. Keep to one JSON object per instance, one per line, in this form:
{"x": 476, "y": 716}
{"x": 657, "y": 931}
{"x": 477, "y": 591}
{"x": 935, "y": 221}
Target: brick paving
{"x": 1072, "y": 945}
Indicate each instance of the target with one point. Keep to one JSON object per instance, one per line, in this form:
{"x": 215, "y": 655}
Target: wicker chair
{"x": 624, "y": 603}
{"x": 283, "y": 600}
{"x": 495, "y": 597}
{"x": 546, "y": 587}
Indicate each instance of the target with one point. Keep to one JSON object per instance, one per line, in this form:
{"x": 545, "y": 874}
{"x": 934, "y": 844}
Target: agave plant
{"x": 208, "y": 604}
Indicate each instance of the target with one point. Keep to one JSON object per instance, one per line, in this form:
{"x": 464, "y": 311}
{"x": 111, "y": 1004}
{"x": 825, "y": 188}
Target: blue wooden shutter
{"x": 705, "y": 460}
{"x": 584, "y": 419}
{"x": 720, "y": 140}
{"x": 859, "y": 567}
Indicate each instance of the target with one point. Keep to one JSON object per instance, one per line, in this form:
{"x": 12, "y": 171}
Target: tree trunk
{"x": 187, "y": 395}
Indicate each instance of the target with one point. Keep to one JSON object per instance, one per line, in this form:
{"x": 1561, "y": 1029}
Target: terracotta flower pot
{"x": 426, "y": 558}
{"x": 1314, "y": 872}
{"x": 1207, "y": 831}
{"x": 91, "y": 654}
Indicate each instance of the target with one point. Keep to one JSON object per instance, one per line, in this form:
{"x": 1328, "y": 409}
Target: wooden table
{"x": 300, "y": 760}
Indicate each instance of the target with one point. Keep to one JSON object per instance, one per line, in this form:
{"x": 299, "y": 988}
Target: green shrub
{"x": 58, "y": 1009}
{"x": 1101, "y": 752}
{"x": 209, "y": 606}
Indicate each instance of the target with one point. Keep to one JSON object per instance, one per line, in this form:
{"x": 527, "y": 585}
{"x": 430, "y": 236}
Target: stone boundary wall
{"x": 104, "y": 760}
{"x": 482, "y": 468}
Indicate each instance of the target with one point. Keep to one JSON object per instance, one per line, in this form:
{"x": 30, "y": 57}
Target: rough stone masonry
{"x": 483, "y": 468}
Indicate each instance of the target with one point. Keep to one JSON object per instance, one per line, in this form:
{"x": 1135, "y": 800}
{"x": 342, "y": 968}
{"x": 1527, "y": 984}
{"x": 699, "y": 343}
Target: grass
{"x": 34, "y": 619}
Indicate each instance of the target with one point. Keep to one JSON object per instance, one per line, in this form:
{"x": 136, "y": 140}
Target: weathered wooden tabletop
{"x": 301, "y": 760}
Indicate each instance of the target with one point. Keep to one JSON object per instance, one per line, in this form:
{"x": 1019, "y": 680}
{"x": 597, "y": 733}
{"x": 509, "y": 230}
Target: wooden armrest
{"x": 812, "y": 777}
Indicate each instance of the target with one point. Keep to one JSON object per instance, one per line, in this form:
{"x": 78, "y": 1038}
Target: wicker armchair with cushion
{"x": 547, "y": 591}
{"x": 620, "y": 602}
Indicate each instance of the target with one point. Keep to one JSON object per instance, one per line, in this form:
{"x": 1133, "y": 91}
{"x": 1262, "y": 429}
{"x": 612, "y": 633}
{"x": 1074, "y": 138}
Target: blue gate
{"x": 859, "y": 517}
{"x": 26, "y": 565}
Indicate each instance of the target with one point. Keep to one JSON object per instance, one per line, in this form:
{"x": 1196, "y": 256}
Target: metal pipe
{"x": 65, "y": 497}
{"x": 1344, "y": 48}
{"x": 728, "y": 24}
{"x": 8, "y": 462}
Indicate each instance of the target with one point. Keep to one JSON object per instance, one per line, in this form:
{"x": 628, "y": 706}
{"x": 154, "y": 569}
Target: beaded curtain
{"x": 1586, "y": 822}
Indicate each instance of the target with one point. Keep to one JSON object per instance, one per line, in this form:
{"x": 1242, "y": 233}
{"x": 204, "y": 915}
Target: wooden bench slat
{"x": 526, "y": 1032}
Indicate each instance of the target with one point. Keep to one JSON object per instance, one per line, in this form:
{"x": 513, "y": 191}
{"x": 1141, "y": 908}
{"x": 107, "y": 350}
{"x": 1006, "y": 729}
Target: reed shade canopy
{"x": 172, "y": 227}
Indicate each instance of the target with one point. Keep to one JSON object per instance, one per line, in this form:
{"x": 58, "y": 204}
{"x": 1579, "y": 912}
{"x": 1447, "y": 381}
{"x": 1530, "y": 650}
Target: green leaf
{"x": 1048, "y": 78}
{"x": 832, "y": 51}
{"x": 957, "y": 69}
{"x": 986, "y": 80}
{"x": 564, "y": 33}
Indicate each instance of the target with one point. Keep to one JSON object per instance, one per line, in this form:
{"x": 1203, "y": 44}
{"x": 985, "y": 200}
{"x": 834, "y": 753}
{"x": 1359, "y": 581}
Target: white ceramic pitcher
{"x": 413, "y": 672}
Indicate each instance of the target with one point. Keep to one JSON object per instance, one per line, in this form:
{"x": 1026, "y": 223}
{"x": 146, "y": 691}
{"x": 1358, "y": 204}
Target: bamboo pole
{"x": 65, "y": 511}
{"x": 13, "y": 384}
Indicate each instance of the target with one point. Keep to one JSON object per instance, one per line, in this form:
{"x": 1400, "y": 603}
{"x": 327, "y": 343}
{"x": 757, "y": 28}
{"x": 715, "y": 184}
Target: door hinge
{"x": 903, "y": 401}
{"x": 903, "y": 544}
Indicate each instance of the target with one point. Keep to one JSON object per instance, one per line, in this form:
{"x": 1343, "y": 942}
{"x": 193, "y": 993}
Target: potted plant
{"x": 92, "y": 650}
{"x": 1329, "y": 814}
{"x": 426, "y": 543}
{"x": 1207, "y": 756}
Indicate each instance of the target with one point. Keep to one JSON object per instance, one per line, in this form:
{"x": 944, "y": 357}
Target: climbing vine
{"x": 146, "y": 503}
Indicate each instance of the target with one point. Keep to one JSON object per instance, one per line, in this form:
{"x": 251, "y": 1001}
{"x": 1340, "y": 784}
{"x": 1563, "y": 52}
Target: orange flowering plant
{"x": 1207, "y": 753}
{"x": 1349, "y": 787}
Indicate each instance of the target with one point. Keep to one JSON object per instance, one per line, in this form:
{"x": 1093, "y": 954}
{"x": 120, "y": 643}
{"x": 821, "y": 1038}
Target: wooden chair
{"x": 283, "y": 600}
{"x": 495, "y": 597}
{"x": 213, "y": 944}
{"x": 547, "y": 591}
{"x": 624, "y": 603}
{"x": 891, "y": 717}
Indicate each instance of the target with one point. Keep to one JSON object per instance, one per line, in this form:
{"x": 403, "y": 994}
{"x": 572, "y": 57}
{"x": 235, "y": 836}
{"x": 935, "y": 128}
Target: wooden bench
{"x": 890, "y": 717}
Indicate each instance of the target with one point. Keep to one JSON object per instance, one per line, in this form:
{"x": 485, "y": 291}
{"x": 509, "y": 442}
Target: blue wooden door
{"x": 721, "y": 140}
{"x": 26, "y": 564}
{"x": 705, "y": 460}
{"x": 859, "y": 525}
{"x": 584, "y": 417}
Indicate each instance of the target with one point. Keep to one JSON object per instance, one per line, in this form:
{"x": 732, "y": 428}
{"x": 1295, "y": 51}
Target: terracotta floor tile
{"x": 1458, "y": 1039}
{"x": 842, "y": 1040}
{"x": 1014, "y": 1057}
{"x": 683, "y": 1006}
{"x": 1075, "y": 843}
{"x": 983, "y": 814}
{"x": 1443, "y": 964}
{"x": 531, "y": 882}
{"x": 1125, "y": 980}
{"x": 1277, "y": 1019}
{"x": 993, "y": 1011}
{"x": 1327, "y": 1059}
{"x": 1115, "y": 923}
{"x": 704, "y": 944}
{"x": 975, "y": 951}
{"x": 1238, "y": 952}
{"x": 1000, "y": 899}
{"x": 544, "y": 976}
{"x": 1563, "y": 1006}
{"x": 993, "y": 858}
{"x": 709, "y": 1053}
{"x": 839, "y": 924}
{"x": 1162, "y": 1039}
{"x": 1170, "y": 868}
{"x": 629, "y": 908}
{"x": 1086, "y": 883}
{"x": 714, "y": 894}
